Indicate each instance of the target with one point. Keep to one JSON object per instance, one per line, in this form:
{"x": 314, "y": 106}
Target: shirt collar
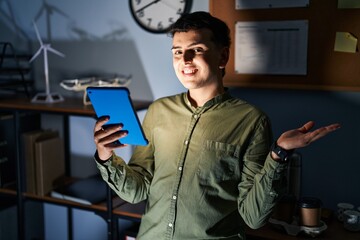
{"x": 216, "y": 100}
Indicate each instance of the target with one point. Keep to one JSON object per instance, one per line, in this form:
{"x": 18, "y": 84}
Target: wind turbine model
{"x": 46, "y": 97}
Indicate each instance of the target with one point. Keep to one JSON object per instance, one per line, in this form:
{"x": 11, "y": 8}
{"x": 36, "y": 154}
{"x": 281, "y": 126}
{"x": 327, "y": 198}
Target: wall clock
{"x": 156, "y": 16}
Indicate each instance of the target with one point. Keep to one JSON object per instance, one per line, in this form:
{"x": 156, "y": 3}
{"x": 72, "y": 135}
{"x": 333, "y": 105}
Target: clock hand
{"x": 151, "y": 3}
{"x": 169, "y": 5}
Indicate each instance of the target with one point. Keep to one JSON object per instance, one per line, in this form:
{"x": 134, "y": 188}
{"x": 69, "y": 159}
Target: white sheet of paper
{"x": 255, "y": 4}
{"x": 271, "y": 47}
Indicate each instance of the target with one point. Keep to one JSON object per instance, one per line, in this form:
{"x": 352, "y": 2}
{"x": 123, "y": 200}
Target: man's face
{"x": 196, "y": 59}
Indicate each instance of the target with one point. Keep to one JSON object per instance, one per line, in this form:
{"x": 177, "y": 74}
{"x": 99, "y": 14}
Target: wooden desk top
{"x": 71, "y": 106}
{"x": 334, "y": 231}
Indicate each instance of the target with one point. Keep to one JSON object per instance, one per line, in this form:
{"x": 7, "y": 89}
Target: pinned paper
{"x": 348, "y": 4}
{"x": 345, "y": 42}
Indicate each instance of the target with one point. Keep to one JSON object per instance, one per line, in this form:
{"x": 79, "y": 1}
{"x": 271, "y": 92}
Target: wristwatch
{"x": 281, "y": 152}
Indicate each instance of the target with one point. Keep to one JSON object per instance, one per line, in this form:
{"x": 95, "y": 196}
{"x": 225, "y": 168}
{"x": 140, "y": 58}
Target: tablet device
{"x": 116, "y": 103}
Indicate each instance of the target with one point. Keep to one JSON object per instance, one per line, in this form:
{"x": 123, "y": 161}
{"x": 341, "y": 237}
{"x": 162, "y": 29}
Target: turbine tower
{"x": 46, "y": 97}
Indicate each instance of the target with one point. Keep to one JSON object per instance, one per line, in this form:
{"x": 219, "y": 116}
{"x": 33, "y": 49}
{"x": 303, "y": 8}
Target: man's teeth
{"x": 187, "y": 71}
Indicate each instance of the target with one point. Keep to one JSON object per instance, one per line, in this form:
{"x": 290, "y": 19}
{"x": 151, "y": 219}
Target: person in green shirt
{"x": 208, "y": 169}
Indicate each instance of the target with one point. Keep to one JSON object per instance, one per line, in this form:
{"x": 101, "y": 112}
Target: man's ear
{"x": 225, "y": 54}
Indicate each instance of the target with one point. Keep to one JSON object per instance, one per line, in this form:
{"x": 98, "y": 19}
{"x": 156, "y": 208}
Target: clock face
{"x": 157, "y": 16}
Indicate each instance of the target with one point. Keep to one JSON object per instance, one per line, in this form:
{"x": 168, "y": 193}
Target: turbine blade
{"x": 55, "y": 51}
{"x": 56, "y": 9}
{"x": 37, "y": 33}
{"x": 36, "y": 54}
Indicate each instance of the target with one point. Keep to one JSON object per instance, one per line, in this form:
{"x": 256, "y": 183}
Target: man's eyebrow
{"x": 190, "y": 45}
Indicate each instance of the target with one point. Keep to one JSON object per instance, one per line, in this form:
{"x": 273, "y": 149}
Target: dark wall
{"x": 330, "y": 166}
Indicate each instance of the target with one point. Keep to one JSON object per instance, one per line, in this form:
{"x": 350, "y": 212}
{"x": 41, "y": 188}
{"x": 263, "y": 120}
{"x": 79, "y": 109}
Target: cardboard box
{"x": 44, "y": 160}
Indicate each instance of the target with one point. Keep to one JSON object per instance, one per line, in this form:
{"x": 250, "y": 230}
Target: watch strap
{"x": 281, "y": 152}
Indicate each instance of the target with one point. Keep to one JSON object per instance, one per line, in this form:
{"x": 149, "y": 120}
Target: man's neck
{"x": 198, "y": 97}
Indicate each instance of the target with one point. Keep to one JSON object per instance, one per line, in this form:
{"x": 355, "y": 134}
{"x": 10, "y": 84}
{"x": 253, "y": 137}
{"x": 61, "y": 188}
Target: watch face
{"x": 158, "y": 15}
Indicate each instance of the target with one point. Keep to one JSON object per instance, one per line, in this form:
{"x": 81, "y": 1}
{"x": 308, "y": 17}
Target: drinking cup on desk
{"x": 352, "y": 220}
{"x": 342, "y": 207}
{"x": 310, "y": 211}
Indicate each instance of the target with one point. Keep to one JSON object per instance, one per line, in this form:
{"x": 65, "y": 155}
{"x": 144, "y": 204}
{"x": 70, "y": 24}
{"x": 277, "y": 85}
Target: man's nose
{"x": 188, "y": 56}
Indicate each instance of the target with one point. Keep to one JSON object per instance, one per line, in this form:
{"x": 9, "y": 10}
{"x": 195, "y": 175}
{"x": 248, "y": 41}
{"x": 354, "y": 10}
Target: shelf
{"x": 15, "y": 82}
{"x": 133, "y": 211}
{"x": 14, "y": 70}
{"x": 25, "y": 57}
{"x": 70, "y": 106}
{"x": 121, "y": 208}
{"x": 14, "y": 67}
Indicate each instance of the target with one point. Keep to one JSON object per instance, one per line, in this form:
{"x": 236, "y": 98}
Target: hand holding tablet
{"x": 116, "y": 103}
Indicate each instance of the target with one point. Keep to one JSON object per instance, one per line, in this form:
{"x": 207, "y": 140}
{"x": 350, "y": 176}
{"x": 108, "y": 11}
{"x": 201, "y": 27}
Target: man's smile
{"x": 188, "y": 70}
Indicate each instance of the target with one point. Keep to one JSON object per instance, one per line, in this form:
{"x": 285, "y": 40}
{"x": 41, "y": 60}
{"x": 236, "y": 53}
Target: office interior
{"x": 101, "y": 38}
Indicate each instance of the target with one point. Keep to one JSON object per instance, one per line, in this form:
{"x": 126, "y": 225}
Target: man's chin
{"x": 189, "y": 85}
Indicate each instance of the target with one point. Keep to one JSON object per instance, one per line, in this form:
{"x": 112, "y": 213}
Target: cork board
{"x": 326, "y": 69}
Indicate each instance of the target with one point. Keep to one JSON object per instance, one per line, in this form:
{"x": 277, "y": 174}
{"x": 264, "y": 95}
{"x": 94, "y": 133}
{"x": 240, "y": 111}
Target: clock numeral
{"x": 160, "y": 26}
{"x": 140, "y": 13}
{"x": 138, "y": 2}
{"x": 171, "y": 20}
{"x": 179, "y": 11}
{"x": 149, "y": 21}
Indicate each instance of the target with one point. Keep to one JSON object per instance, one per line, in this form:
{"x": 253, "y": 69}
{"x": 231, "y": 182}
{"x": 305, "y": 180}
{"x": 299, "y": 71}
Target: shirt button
{"x": 170, "y": 225}
{"x": 180, "y": 168}
{"x": 186, "y": 142}
{"x": 273, "y": 194}
{"x": 195, "y": 116}
{"x": 174, "y": 197}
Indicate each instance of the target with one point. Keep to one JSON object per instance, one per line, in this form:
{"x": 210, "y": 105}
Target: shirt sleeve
{"x": 263, "y": 179}
{"x": 130, "y": 181}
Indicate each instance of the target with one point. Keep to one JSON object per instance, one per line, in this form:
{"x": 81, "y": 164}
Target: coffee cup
{"x": 352, "y": 220}
{"x": 342, "y": 207}
{"x": 310, "y": 211}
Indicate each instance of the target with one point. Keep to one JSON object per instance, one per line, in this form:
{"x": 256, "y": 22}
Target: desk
{"x": 334, "y": 231}
{"x": 69, "y": 107}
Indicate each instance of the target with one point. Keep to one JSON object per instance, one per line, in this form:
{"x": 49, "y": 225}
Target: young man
{"x": 208, "y": 169}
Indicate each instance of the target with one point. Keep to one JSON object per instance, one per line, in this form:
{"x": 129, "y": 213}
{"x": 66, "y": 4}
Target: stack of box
{"x": 44, "y": 160}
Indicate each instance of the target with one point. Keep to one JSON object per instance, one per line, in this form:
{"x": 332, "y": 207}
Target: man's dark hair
{"x": 201, "y": 20}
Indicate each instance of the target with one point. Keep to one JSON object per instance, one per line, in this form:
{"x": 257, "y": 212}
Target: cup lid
{"x": 310, "y": 202}
{"x": 345, "y": 205}
{"x": 352, "y": 213}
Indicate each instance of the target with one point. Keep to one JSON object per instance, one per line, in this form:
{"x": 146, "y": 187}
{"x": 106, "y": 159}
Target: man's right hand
{"x": 106, "y": 139}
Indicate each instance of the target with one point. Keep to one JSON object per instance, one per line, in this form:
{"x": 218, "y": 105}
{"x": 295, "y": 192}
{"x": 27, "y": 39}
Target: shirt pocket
{"x": 219, "y": 162}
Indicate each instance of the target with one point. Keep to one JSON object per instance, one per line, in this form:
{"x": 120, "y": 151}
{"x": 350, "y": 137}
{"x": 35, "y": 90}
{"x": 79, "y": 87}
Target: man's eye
{"x": 177, "y": 52}
{"x": 198, "y": 50}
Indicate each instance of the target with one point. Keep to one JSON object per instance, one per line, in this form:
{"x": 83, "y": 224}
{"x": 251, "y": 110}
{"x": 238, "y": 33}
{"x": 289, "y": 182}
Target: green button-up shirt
{"x": 205, "y": 172}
